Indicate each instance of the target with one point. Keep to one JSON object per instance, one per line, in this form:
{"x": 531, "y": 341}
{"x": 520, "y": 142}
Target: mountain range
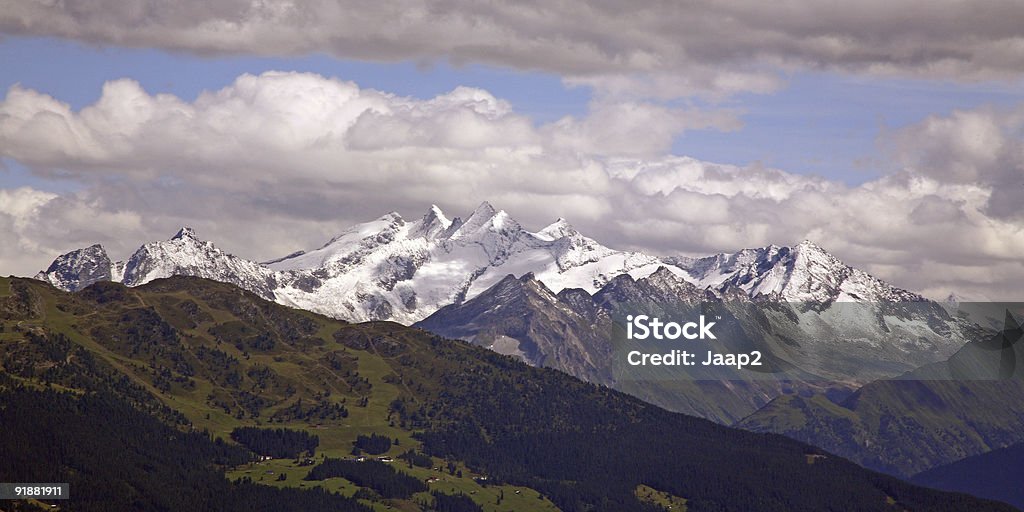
{"x": 393, "y": 269}
{"x": 931, "y": 416}
{"x": 385, "y": 269}
{"x": 458, "y": 278}
{"x": 994, "y": 475}
{"x": 846, "y": 350}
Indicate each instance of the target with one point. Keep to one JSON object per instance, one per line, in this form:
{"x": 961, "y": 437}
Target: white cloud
{"x": 282, "y": 161}
{"x": 984, "y": 145}
{"x": 21, "y": 205}
{"x": 634, "y": 127}
{"x": 36, "y": 225}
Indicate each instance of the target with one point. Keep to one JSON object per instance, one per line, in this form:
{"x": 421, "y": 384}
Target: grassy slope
{"x": 995, "y": 475}
{"x": 665, "y": 500}
{"x": 157, "y": 336}
{"x": 903, "y": 426}
{"x": 302, "y": 367}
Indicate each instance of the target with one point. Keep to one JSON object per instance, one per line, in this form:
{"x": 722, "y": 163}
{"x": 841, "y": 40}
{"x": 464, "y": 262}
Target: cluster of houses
{"x": 363, "y": 458}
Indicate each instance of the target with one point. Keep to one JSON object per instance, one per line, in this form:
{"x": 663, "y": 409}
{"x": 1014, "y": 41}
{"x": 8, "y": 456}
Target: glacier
{"x": 399, "y": 270}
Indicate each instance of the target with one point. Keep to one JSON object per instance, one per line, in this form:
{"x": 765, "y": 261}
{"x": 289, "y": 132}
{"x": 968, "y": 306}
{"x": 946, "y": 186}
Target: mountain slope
{"x": 571, "y": 331}
{"x": 80, "y": 268}
{"x": 812, "y": 346}
{"x": 803, "y": 273}
{"x": 932, "y": 416}
{"x": 115, "y": 457}
{"x": 995, "y": 475}
{"x": 523, "y": 318}
{"x": 185, "y": 254}
{"x": 218, "y": 357}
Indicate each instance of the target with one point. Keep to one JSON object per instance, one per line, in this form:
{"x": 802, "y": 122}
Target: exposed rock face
{"x": 79, "y": 268}
{"x": 824, "y": 346}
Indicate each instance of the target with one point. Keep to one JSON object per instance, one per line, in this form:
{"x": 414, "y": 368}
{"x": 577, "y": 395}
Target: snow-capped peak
{"x": 392, "y": 269}
{"x": 435, "y": 214}
{"x": 496, "y": 232}
{"x": 813, "y": 274}
{"x": 79, "y": 268}
{"x": 477, "y": 220}
{"x": 433, "y": 224}
{"x": 353, "y": 240}
{"x": 502, "y": 220}
{"x": 185, "y": 232}
{"x": 804, "y": 272}
{"x": 185, "y": 254}
{"x": 557, "y": 229}
{"x": 811, "y": 250}
{"x": 484, "y": 208}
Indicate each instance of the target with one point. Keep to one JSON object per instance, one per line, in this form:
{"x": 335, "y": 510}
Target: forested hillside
{"x": 144, "y": 381}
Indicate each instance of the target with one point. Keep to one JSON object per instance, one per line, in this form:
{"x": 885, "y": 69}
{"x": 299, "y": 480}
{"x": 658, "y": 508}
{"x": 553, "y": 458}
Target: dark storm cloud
{"x": 731, "y": 43}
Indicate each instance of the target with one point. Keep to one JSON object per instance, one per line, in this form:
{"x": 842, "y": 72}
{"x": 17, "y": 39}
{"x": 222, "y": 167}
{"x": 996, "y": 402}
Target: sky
{"x": 890, "y": 132}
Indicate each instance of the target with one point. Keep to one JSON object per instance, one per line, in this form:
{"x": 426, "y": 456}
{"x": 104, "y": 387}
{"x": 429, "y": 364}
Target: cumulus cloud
{"x": 634, "y": 128}
{"x": 282, "y": 161}
{"x": 984, "y": 145}
{"x": 35, "y": 225}
{"x": 681, "y": 48}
